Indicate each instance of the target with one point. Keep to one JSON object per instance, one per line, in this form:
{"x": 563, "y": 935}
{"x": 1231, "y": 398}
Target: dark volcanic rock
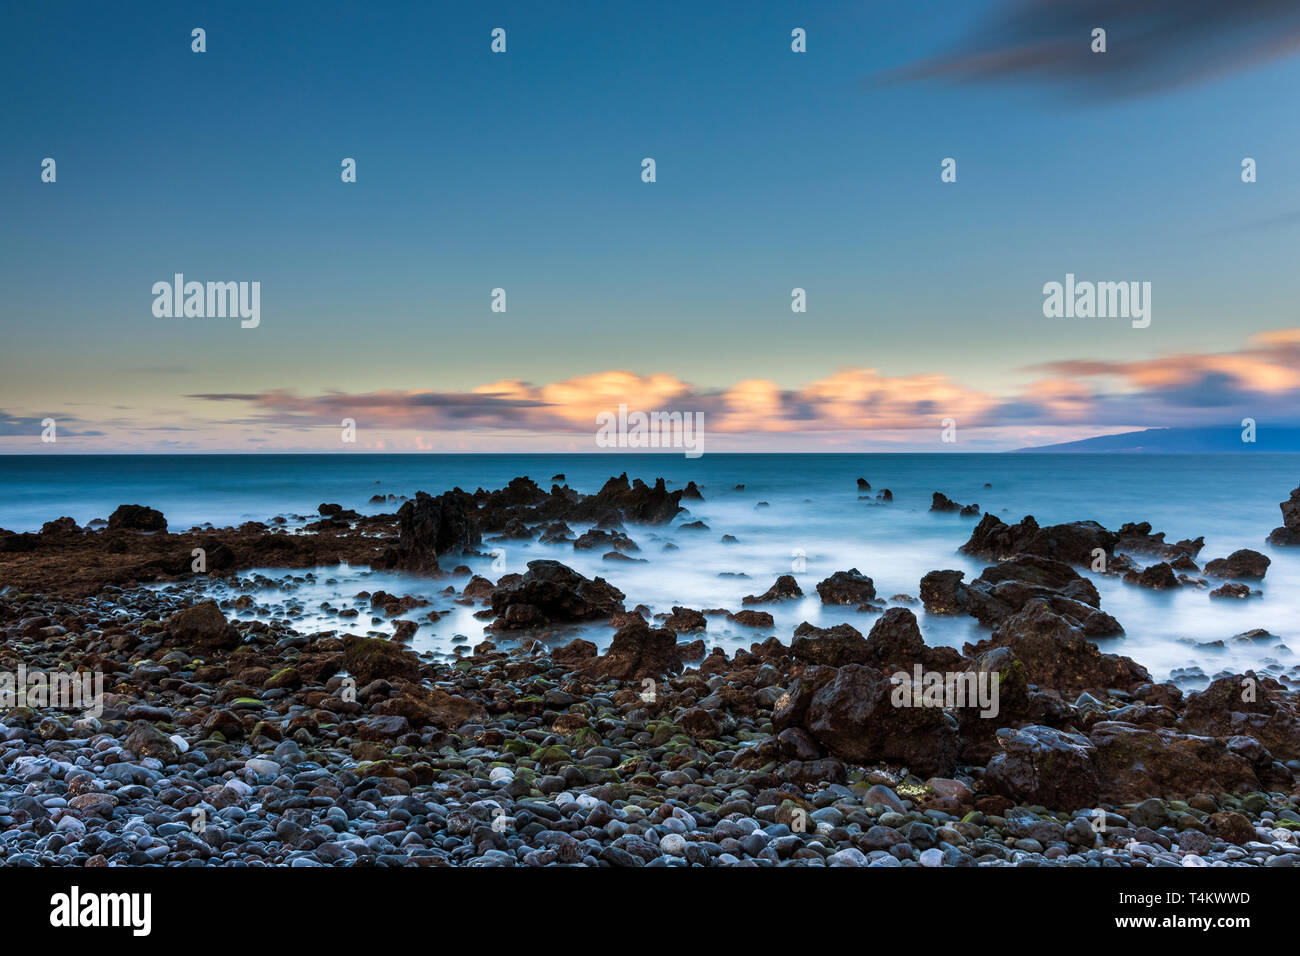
{"x": 599, "y": 538}
{"x": 1139, "y": 762}
{"x": 847, "y": 587}
{"x": 1057, "y": 654}
{"x": 136, "y": 518}
{"x": 684, "y": 620}
{"x": 895, "y": 640}
{"x": 1158, "y": 577}
{"x": 1044, "y": 766}
{"x": 638, "y": 502}
{"x": 1005, "y": 588}
{"x": 557, "y": 532}
{"x": 1074, "y": 543}
{"x": 833, "y": 646}
{"x": 1012, "y": 704}
{"x": 146, "y": 740}
{"x": 202, "y": 627}
{"x": 11, "y": 543}
{"x": 431, "y": 527}
{"x": 478, "y": 588}
{"x": 864, "y": 485}
{"x": 752, "y": 619}
{"x": 943, "y": 593}
{"x": 1245, "y": 705}
{"x": 577, "y": 651}
{"x": 1137, "y": 538}
{"x": 1232, "y": 590}
{"x": 785, "y": 588}
{"x": 638, "y": 651}
{"x": 336, "y": 511}
{"x": 550, "y": 592}
{"x": 941, "y": 502}
{"x": 1289, "y": 533}
{"x": 854, "y": 717}
{"x": 1247, "y": 564}
{"x": 60, "y": 527}
{"x": 370, "y": 658}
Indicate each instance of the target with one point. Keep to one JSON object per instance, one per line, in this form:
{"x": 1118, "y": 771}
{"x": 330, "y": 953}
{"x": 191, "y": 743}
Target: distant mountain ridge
{"x": 1174, "y": 441}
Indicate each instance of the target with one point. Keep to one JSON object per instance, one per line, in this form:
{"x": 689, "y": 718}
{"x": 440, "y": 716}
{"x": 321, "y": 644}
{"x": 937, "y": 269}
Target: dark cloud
{"x": 1152, "y": 45}
{"x": 227, "y": 396}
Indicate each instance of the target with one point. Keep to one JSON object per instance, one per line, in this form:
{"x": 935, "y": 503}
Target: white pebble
{"x": 674, "y": 844}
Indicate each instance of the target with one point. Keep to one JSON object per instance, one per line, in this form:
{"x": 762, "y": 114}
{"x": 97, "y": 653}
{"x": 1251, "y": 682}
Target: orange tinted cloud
{"x": 1260, "y": 380}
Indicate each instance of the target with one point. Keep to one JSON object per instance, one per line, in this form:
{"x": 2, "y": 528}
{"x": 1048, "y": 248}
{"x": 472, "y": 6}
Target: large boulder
{"x": 1289, "y": 533}
{"x": 434, "y": 706}
{"x": 1137, "y": 538}
{"x": 895, "y": 640}
{"x": 855, "y": 717}
{"x": 847, "y": 587}
{"x": 1003, "y": 679}
{"x": 201, "y": 628}
{"x": 685, "y": 620}
{"x": 1004, "y": 589}
{"x": 145, "y": 740}
{"x": 638, "y": 651}
{"x": 430, "y": 527}
{"x": 943, "y": 593}
{"x": 1249, "y": 706}
{"x": 1245, "y": 563}
{"x": 549, "y": 593}
{"x": 372, "y": 658}
{"x": 1073, "y": 543}
{"x": 1139, "y": 762}
{"x": 1158, "y": 577}
{"x": 637, "y": 501}
{"x": 136, "y": 518}
{"x": 785, "y": 588}
{"x": 1044, "y": 766}
{"x": 1056, "y": 653}
{"x": 832, "y": 646}
{"x": 791, "y": 708}
{"x": 64, "y": 527}
{"x": 941, "y": 502}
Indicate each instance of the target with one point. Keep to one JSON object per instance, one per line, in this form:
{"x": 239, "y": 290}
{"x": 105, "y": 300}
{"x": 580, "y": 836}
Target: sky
{"x": 522, "y": 170}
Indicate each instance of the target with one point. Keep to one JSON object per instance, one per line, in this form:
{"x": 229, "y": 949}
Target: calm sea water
{"x": 814, "y": 519}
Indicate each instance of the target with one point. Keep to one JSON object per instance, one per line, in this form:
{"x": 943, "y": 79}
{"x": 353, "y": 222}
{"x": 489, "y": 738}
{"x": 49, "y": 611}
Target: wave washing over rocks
{"x": 228, "y": 740}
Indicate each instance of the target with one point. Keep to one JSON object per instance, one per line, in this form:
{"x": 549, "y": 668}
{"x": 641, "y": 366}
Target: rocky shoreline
{"x": 226, "y": 741}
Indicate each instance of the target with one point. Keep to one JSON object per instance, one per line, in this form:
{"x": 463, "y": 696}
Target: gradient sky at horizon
{"x": 522, "y": 171}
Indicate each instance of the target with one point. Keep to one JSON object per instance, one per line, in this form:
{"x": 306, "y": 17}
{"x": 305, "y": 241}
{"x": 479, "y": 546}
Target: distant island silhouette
{"x": 1215, "y": 439}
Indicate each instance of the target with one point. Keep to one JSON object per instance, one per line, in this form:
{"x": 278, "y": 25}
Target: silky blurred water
{"x": 814, "y": 523}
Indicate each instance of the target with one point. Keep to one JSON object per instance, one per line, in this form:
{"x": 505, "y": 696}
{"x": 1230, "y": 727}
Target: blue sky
{"x": 522, "y": 171}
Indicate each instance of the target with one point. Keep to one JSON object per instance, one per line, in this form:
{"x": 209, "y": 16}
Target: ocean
{"x": 814, "y": 523}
